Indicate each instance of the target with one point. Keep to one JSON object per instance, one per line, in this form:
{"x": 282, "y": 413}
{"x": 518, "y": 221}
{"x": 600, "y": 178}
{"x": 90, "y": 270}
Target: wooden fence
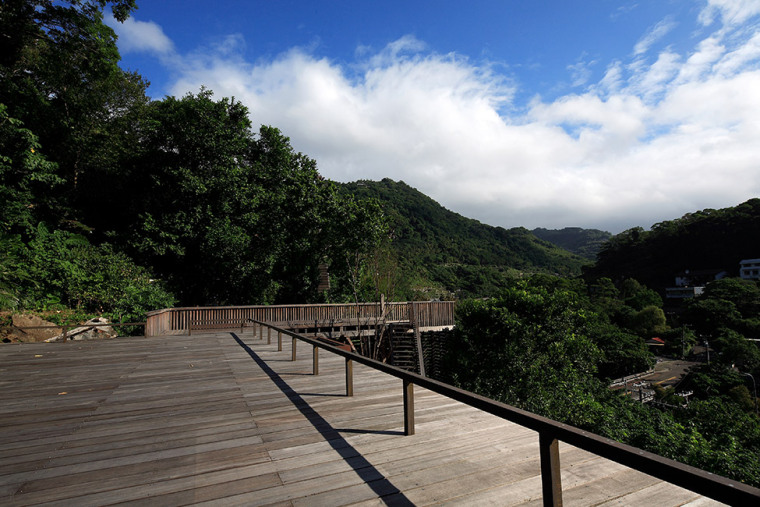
{"x": 429, "y": 314}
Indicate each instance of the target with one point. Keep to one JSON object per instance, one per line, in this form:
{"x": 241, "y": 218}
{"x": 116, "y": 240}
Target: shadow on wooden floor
{"x": 363, "y": 468}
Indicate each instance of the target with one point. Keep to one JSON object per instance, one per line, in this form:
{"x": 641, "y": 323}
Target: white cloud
{"x": 741, "y": 57}
{"x": 140, "y": 36}
{"x": 732, "y": 12}
{"x": 649, "y": 141}
{"x": 650, "y": 81}
{"x": 701, "y": 61}
{"x": 580, "y": 71}
{"x": 612, "y": 80}
{"x": 654, "y": 34}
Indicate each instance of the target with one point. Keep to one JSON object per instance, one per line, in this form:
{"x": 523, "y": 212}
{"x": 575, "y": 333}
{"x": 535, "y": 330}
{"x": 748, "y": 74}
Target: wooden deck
{"x": 213, "y": 419}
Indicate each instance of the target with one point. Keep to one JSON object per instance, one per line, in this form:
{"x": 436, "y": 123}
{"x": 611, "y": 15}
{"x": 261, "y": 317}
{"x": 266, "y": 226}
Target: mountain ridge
{"x": 460, "y": 256}
{"x": 583, "y": 242}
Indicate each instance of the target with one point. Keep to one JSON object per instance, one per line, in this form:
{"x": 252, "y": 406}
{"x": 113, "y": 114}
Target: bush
{"x": 60, "y": 269}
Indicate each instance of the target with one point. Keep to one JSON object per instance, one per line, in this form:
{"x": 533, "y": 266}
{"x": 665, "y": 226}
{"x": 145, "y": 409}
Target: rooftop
{"x": 225, "y": 419}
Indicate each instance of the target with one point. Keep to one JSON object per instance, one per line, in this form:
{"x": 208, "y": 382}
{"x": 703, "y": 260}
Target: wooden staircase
{"x": 403, "y": 347}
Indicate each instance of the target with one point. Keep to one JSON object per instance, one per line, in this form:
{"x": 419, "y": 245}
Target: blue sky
{"x": 589, "y": 113}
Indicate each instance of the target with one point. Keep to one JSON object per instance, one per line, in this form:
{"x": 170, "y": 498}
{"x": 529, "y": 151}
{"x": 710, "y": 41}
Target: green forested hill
{"x": 583, "y": 242}
{"x": 112, "y": 203}
{"x": 707, "y": 239}
{"x": 442, "y": 251}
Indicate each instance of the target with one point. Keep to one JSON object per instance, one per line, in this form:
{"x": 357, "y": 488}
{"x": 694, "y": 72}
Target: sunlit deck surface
{"x": 209, "y": 419}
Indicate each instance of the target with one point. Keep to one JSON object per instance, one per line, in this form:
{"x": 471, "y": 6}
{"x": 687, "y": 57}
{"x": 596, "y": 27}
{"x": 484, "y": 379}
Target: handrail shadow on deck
{"x": 550, "y": 432}
{"x": 363, "y": 468}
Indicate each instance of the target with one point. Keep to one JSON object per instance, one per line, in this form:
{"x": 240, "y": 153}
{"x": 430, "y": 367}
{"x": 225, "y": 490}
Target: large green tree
{"x": 26, "y": 175}
{"x": 528, "y": 347}
{"x": 59, "y": 75}
{"x": 223, "y": 213}
{"x": 227, "y": 215}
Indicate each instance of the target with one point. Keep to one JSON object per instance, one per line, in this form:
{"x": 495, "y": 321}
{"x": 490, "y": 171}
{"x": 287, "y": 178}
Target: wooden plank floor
{"x": 224, "y": 419}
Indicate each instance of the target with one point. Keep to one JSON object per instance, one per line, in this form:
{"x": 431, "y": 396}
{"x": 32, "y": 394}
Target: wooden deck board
{"x": 201, "y": 420}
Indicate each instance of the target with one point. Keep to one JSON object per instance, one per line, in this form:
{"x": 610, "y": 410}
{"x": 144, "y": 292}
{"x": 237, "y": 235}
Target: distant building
{"x": 683, "y": 292}
{"x": 699, "y": 277}
{"x": 749, "y": 269}
{"x": 691, "y": 283}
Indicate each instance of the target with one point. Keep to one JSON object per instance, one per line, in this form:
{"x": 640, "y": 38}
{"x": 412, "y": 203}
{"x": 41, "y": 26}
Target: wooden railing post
{"x": 315, "y": 356}
{"x": 269, "y": 335}
{"x": 551, "y": 480}
{"x": 349, "y": 377}
{"x": 261, "y": 332}
{"x": 408, "y": 408}
{"x": 293, "y": 355}
{"x": 279, "y": 341}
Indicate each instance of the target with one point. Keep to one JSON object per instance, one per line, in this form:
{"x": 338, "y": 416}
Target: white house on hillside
{"x": 691, "y": 283}
{"x": 749, "y": 269}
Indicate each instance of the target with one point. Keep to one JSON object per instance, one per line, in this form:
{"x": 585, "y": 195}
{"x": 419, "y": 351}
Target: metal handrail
{"x": 688, "y": 477}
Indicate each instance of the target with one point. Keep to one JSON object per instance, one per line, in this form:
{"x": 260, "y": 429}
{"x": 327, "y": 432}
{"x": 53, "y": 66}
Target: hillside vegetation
{"x": 442, "y": 253}
{"x": 707, "y": 239}
{"x": 551, "y": 346}
{"x": 583, "y": 242}
{"x": 113, "y": 203}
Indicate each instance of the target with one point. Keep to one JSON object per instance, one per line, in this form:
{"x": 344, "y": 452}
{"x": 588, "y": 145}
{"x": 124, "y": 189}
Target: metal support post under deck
{"x": 551, "y": 481}
{"x": 408, "y": 408}
{"x": 315, "y": 355}
{"x": 349, "y": 377}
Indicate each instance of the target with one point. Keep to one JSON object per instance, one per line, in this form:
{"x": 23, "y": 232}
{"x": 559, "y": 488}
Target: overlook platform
{"x": 225, "y": 419}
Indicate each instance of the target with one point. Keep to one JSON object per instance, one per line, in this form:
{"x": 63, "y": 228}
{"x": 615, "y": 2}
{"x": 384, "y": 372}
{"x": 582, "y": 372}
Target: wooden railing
{"x": 550, "y": 432}
{"x": 429, "y": 314}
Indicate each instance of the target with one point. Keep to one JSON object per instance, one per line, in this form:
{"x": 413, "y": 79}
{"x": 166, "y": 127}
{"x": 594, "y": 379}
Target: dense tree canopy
{"x": 96, "y": 179}
{"x": 544, "y": 346}
{"x": 707, "y": 239}
{"x": 529, "y": 346}
{"x": 25, "y": 175}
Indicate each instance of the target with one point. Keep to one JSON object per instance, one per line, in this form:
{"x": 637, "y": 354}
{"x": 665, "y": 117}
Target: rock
{"x": 87, "y": 332}
{"x": 32, "y": 335}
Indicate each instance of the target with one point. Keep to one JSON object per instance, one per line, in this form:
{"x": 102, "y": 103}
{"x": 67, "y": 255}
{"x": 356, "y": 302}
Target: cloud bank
{"x": 662, "y": 133}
